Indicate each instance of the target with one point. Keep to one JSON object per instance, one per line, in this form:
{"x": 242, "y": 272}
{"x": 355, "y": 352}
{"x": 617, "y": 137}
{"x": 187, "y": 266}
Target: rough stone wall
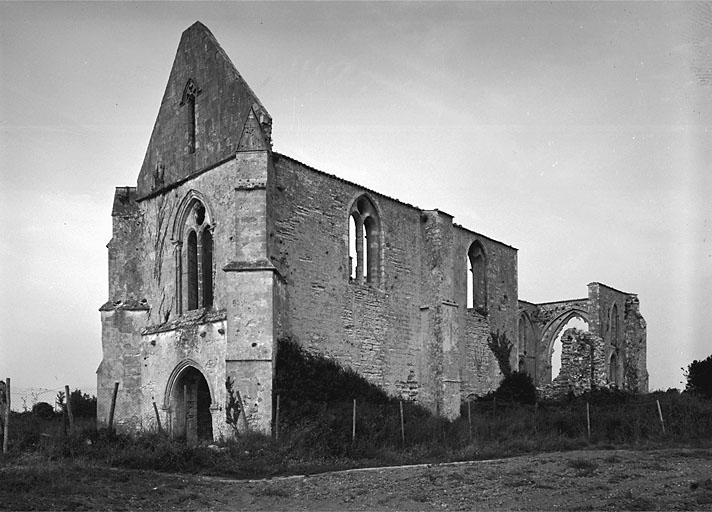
{"x": 223, "y": 102}
{"x": 411, "y": 333}
{"x": 479, "y": 368}
{"x": 629, "y": 344}
{"x": 583, "y": 363}
{"x": 234, "y": 194}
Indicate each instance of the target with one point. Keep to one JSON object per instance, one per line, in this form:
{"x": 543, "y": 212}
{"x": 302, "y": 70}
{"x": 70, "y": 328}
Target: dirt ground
{"x": 675, "y": 479}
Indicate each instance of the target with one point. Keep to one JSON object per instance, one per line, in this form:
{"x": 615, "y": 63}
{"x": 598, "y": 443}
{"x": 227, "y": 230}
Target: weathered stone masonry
{"x": 225, "y": 247}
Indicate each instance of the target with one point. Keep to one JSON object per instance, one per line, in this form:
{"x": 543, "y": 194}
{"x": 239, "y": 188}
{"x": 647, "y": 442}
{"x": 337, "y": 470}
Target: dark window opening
{"x": 192, "y": 260}
{"x": 207, "y": 264}
{"x": 477, "y": 278}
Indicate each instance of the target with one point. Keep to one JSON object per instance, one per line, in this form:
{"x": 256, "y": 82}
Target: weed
{"x": 583, "y": 467}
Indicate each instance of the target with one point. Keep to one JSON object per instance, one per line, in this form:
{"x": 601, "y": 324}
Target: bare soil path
{"x": 674, "y": 479}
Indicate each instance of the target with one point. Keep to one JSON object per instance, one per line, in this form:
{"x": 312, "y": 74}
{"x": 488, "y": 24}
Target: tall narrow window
{"x": 206, "y": 261}
{"x": 365, "y": 244}
{"x": 192, "y": 268}
{"x": 353, "y": 259}
{"x": 470, "y": 288}
{"x": 194, "y": 258}
{"x": 190, "y": 92}
{"x": 614, "y": 325}
{"x": 478, "y": 277}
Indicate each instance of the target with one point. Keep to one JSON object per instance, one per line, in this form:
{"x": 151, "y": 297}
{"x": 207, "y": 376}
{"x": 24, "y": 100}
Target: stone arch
{"x": 189, "y": 398}
{"x": 550, "y": 334}
{"x": 184, "y": 209}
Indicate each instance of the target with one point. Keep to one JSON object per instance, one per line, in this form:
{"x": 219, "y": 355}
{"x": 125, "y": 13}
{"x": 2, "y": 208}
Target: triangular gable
{"x": 206, "y": 92}
{"x": 252, "y": 139}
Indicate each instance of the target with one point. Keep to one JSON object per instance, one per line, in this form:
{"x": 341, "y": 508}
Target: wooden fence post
{"x": 113, "y": 406}
{"x": 660, "y": 414}
{"x": 402, "y": 423}
{"x": 6, "y": 424}
{"x": 353, "y": 424}
{"x": 69, "y": 409}
{"x": 276, "y": 421}
{"x": 588, "y": 420}
{"x": 469, "y": 417}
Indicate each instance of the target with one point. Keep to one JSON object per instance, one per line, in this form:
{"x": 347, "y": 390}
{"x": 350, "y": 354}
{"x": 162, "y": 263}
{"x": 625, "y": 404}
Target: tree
{"x": 83, "y": 404}
{"x": 517, "y": 387}
{"x": 699, "y": 377}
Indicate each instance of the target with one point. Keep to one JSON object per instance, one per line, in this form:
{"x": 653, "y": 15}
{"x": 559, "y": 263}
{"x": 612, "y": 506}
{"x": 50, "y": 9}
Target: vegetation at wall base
{"x": 315, "y": 428}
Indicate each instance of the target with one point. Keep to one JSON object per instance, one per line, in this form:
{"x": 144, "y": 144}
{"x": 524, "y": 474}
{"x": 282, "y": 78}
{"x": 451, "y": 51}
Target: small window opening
{"x": 190, "y": 92}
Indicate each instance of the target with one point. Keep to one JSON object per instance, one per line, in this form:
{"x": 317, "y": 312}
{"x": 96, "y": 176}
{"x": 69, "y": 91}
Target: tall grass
{"x": 315, "y": 428}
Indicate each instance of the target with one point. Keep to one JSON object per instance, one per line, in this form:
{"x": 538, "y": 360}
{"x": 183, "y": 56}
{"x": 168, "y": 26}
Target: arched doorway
{"x": 190, "y": 407}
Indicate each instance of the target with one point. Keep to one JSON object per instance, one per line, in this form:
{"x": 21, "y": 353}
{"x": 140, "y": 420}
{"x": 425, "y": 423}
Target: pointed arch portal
{"x": 189, "y": 404}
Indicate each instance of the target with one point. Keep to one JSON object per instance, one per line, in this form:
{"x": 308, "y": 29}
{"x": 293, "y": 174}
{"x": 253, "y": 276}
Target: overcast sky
{"x": 577, "y": 132}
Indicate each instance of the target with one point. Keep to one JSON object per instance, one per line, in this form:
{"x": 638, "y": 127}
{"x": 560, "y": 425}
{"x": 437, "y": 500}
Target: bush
{"x": 43, "y": 410}
{"x": 699, "y": 377}
{"x": 517, "y": 387}
{"x": 83, "y": 405}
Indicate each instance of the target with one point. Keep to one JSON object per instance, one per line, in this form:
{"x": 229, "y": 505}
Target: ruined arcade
{"x": 225, "y": 246}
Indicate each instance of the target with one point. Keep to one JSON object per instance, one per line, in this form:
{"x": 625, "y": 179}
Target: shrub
{"x": 517, "y": 387}
{"x": 83, "y": 404}
{"x": 699, "y": 377}
{"x": 43, "y": 410}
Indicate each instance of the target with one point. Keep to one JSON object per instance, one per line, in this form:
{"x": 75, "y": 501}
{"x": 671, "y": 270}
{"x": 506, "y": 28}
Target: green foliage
{"x": 699, "y": 377}
{"x": 501, "y": 347}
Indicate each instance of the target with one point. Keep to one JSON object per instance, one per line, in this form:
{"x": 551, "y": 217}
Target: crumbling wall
{"x": 583, "y": 363}
{"x": 614, "y": 318}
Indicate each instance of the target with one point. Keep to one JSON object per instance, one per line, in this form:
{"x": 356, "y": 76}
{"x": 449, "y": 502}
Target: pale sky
{"x": 577, "y": 132}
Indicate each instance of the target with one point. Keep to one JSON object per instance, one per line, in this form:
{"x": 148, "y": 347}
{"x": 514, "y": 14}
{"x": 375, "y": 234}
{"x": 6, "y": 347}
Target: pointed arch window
{"x": 364, "y": 242}
{"x": 477, "y": 277}
{"x": 194, "y": 259}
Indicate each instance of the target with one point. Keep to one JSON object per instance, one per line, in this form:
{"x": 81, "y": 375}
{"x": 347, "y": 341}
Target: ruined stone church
{"x": 225, "y": 246}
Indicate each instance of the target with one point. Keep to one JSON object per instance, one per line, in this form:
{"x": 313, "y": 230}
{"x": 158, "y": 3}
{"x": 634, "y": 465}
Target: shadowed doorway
{"x": 190, "y": 403}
